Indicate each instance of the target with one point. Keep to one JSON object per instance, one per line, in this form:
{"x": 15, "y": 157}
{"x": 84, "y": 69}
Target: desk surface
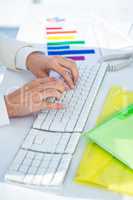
{"x": 11, "y": 137}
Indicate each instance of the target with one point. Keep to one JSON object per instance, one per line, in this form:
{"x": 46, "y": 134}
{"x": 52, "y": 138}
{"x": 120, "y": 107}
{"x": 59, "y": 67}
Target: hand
{"x": 32, "y": 97}
{"x": 40, "y": 65}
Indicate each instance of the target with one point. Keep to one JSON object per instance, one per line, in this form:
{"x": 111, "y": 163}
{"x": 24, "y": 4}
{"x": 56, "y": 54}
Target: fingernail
{"x": 67, "y": 88}
{"x": 59, "y": 106}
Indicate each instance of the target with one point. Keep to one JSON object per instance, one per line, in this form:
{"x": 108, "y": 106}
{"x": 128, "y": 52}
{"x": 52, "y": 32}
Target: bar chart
{"x": 65, "y": 41}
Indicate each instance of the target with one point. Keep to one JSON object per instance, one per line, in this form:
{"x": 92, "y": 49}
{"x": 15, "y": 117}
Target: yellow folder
{"x": 97, "y": 167}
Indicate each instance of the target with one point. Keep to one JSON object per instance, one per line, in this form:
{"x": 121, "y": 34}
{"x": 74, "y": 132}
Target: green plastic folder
{"x": 116, "y": 136}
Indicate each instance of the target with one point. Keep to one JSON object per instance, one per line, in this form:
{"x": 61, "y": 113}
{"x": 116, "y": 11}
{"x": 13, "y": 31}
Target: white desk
{"x": 12, "y": 136}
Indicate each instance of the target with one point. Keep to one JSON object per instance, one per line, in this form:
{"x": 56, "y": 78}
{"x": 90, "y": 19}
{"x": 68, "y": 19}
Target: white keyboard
{"x": 46, "y": 152}
{"x": 78, "y": 102}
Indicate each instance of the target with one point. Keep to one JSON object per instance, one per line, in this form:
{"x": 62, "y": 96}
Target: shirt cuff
{"x": 4, "y": 119}
{"x": 22, "y": 55}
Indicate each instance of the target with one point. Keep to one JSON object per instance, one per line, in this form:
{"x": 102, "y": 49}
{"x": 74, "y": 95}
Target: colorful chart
{"x": 65, "y": 41}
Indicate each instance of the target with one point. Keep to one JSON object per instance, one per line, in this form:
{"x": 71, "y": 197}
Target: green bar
{"x": 66, "y": 42}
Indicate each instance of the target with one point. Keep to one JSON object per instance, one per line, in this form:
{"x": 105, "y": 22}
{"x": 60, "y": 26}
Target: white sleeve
{"x": 13, "y": 52}
{"x": 22, "y": 55}
{"x": 4, "y": 119}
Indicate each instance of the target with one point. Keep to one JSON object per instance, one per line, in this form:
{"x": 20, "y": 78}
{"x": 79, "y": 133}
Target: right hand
{"x": 32, "y": 97}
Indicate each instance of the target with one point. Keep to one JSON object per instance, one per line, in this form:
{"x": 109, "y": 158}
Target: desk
{"x": 11, "y": 137}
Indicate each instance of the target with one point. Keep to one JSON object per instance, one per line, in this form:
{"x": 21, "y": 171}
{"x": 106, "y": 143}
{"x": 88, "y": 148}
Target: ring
{"x": 67, "y": 72}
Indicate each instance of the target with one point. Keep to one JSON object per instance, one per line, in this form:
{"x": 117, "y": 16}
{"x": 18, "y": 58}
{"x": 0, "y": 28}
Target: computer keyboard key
{"x": 18, "y": 160}
{"x": 72, "y": 143}
{"x": 26, "y": 161}
{"x": 48, "y": 176}
{"x": 30, "y": 139}
{"x": 38, "y": 176}
{"x": 62, "y": 170}
{"x": 15, "y": 176}
{"x": 39, "y": 156}
{"x": 39, "y": 120}
{"x": 48, "y": 120}
{"x": 39, "y": 139}
{"x": 23, "y": 168}
{"x": 55, "y": 125}
{"x": 30, "y": 155}
{"x": 30, "y": 175}
{"x": 53, "y": 142}
{"x": 36, "y": 163}
{"x": 46, "y": 161}
{"x": 63, "y": 143}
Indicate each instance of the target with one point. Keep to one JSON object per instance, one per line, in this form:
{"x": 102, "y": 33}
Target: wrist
{"x": 33, "y": 60}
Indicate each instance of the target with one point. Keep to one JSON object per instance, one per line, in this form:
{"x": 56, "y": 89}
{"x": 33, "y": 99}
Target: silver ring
{"x": 66, "y": 72}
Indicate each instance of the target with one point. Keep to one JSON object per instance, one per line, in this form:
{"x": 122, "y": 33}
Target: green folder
{"x": 116, "y": 136}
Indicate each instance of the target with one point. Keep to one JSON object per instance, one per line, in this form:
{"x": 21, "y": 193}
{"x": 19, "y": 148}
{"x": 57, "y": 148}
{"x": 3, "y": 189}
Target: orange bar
{"x": 61, "y": 32}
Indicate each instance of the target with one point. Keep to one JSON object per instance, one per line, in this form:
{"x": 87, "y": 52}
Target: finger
{"x": 36, "y": 83}
{"x": 66, "y": 87}
{"x": 45, "y": 80}
{"x": 71, "y": 65}
{"x": 40, "y": 82}
{"x": 58, "y": 85}
{"x": 55, "y": 106}
{"x": 51, "y": 106}
{"x": 44, "y": 105}
{"x": 51, "y": 93}
{"x": 65, "y": 74}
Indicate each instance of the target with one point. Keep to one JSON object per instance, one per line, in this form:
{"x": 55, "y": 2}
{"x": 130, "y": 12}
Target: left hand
{"x": 40, "y": 65}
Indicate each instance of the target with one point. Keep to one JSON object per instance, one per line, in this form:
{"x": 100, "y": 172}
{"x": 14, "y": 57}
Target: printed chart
{"x": 64, "y": 40}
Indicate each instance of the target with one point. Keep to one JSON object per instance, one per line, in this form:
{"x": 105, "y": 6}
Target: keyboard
{"x": 47, "y": 150}
{"x": 77, "y": 102}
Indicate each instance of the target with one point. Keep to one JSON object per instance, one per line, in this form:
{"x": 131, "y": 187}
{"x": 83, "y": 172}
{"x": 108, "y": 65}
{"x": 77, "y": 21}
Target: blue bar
{"x": 58, "y": 47}
{"x": 68, "y": 52}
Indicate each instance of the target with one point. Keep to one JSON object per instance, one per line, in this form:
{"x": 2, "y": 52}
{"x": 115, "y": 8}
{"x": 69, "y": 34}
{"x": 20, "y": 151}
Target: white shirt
{"x": 13, "y": 54}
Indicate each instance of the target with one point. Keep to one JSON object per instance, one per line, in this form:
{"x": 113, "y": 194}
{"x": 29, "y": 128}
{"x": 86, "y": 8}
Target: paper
{"x": 99, "y": 168}
{"x": 63, "y": 38}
